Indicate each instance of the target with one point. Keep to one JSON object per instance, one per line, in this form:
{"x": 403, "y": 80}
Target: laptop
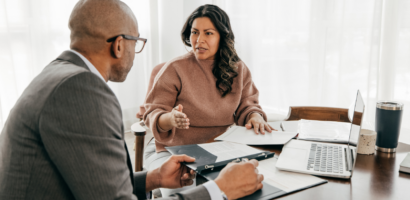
{"x": 324, "y": 159}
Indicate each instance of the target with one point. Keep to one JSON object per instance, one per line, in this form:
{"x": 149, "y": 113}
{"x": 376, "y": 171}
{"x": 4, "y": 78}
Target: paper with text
{"x": 286, "y": 181}
{"x": 240, "y": 134}
{"x": 229, "y": 150}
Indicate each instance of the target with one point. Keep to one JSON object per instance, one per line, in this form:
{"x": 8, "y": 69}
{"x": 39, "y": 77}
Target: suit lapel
{"x": 129, "y": 165}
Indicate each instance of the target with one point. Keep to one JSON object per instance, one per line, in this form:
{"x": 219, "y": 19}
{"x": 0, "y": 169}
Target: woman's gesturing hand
{"x": 259, "y": 124}
{"x": 179, "y": 119}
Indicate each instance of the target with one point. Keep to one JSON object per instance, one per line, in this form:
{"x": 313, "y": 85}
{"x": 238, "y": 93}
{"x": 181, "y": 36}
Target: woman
{"x": 210, "y": 87}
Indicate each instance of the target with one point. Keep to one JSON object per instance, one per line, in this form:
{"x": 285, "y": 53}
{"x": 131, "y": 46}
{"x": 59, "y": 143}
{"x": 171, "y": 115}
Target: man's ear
{"x": 117, "y": 47}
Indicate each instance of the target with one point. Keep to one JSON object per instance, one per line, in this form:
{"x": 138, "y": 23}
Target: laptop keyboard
{"x": 325, "y": 158}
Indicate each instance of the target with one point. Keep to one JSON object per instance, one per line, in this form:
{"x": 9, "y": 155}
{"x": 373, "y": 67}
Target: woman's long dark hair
{"x": 224, "y": 69}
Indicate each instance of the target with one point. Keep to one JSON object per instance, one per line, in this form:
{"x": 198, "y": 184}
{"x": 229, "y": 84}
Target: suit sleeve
{"x": 81, "y": 129}
{"x": 249, "y": 99}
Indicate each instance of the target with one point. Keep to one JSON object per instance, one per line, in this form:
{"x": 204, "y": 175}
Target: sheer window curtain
{"x": 320, "y": 52}
{"x": 35, "y": 32}
{"x": 315, "y": 53}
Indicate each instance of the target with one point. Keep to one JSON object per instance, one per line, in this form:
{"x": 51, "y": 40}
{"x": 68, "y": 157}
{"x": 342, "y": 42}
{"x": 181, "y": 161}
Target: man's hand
{"x": 171, "y": 174}
{"x": 259, "y": 124}
{"x": 237, "y": 180}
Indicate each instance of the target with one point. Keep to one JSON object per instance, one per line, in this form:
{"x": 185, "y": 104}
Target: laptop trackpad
{"x": 294, "y": 157}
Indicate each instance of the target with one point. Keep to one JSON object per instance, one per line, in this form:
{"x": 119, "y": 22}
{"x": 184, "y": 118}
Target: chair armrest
{"x": 139, "y": 132}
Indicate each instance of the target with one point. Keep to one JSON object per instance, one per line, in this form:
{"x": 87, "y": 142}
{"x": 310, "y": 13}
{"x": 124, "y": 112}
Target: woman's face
{"x": 204, "y": 38}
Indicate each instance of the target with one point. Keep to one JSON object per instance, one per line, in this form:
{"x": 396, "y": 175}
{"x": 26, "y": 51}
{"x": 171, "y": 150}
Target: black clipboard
{"x": 206, "y": 161}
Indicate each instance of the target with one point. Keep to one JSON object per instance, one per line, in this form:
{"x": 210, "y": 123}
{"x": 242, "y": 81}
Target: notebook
{"x": 276, "y": 182}
{"x": 405, "y": 164}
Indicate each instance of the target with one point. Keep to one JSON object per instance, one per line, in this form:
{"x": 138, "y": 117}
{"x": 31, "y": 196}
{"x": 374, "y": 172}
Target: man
{"x": 64, "y": 137}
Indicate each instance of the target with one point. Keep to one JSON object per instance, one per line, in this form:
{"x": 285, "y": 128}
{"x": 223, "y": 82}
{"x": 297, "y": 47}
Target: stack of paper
{"x": 405, "y": 165}
{"x": 326, "y": 131}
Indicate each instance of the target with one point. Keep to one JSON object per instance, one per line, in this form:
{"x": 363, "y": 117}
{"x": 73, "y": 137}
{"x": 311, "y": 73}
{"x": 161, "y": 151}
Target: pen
{"x": 281, "y": 126}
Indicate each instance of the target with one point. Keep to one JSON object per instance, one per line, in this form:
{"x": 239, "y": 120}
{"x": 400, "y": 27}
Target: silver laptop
{"x": 324, "y": 159}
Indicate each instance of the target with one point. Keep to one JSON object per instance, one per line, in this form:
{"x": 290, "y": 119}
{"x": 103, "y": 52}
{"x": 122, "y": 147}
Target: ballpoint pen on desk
{"x": 281, "y": 126}
{"x": 283, "y": 129}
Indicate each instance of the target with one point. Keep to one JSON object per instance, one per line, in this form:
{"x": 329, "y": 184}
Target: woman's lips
{"x": 201, "y": 50}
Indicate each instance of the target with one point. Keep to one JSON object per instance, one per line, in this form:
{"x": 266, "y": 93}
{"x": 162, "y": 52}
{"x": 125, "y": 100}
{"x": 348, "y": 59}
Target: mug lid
{"x": 389, "y": 105}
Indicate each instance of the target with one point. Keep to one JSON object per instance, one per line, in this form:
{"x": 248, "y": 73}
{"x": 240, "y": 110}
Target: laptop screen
{"x": 355, "y": 131}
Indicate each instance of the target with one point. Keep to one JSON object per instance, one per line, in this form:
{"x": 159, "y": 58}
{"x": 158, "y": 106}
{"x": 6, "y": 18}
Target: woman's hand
{"x": 178, "y": 119}
{"x": 258, "y": 123}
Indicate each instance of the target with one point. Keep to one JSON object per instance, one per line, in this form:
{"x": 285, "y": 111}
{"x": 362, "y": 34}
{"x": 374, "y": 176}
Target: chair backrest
{"x": 318, "y": 113}
{"x": 139, "y": 129}
{"x": 154, "y": 73}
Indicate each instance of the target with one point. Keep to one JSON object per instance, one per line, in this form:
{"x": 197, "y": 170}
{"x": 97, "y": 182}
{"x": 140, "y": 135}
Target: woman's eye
{"x": 209, "y": 33}
{"x": 193, "y": 32}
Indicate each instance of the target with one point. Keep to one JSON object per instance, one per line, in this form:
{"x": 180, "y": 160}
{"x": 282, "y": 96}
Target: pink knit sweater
{"x": 188, "y": 81}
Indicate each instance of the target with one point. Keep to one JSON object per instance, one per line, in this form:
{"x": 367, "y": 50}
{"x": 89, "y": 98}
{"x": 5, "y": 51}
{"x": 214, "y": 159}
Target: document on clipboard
{"x": 216, "y": 155}
{"x": 276, "y": 182}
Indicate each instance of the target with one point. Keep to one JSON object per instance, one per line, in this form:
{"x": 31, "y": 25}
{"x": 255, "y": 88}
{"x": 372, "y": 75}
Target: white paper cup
{"x": 367, "y": 142}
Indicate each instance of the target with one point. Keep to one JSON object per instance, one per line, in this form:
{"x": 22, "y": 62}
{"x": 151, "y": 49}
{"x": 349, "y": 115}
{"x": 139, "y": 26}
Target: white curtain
{"x": 35, "y": 32}
{"x": 300, "y": 52}
{"x": 320, "y": 52}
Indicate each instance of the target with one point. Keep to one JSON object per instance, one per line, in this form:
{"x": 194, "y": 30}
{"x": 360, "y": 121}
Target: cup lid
{"x": 389, "y": 105}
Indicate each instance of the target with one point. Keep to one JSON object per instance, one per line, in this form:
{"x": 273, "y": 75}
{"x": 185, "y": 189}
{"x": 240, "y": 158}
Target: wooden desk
{"x": 374, "y": 177}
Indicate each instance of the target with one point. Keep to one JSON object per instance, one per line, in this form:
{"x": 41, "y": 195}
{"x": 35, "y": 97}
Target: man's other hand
{"x": 237, "y": 180}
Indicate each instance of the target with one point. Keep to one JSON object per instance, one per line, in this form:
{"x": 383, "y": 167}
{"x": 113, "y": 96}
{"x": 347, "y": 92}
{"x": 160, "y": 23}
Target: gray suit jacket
{"x": 64, "y": 139}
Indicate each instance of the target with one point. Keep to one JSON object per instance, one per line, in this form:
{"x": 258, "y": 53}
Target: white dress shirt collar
{"x": 89, "y": 64}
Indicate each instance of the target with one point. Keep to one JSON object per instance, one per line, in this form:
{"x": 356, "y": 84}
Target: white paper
{"x": 286, "y": 181}
{"x": 324, "y": 130}
{"x": 240, "y": 134}
{"x": 228, "y": 150}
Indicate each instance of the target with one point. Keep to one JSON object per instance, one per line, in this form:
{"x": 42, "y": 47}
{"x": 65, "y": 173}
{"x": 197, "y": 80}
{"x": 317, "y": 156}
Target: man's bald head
{"x": 92, "y": 22}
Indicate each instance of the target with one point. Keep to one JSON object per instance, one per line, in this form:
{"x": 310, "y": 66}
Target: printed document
{"x": 228, "y": 150}
{"x": 286, "y": 181}
{"x": 240, "y": 134}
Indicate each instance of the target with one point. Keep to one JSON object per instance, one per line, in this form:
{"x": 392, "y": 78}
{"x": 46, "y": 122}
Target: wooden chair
{"x": 139, "y": 129}
{"x": 139, "y": 132}
{"x": 323, "y": 114}
{"x": 318, "y": 113}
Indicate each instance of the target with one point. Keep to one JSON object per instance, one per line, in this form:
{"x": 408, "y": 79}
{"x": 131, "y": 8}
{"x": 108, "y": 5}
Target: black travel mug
{"x": 388, "y": 121}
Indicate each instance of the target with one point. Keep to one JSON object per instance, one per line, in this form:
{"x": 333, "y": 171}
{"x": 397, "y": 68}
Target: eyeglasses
{"x": 140, "y": 41}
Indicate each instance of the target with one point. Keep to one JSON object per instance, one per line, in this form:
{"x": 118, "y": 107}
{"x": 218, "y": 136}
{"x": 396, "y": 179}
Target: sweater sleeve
{"x": 249, "y": 99}
{"x": 154, "y": 73}
{"x": 160, "y": 100}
